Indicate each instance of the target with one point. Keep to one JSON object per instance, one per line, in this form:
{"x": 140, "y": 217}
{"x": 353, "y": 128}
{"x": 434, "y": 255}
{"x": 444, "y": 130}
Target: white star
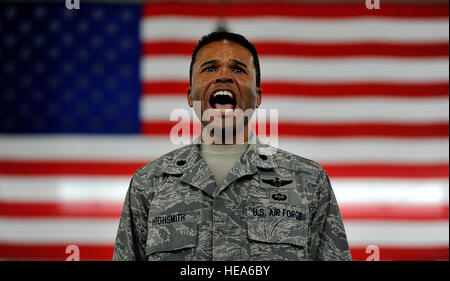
{"x": 126, "y": 15}
{"x": 38, "y": 41}
{"x": 53, "y": 53}
{"x": 111, "y": 29}
{"x": 24, "y": 109}
{"x": 125, "y": 43}
{"x": 68, "y": 96}
{"x": 97, "y": 68}
{"x": 83, "y": 26}
{"x": 67, "y": 39}
{"x": 25, "y": 54}
{"x": 98, "y": 14}
{"x": 68, "y": 67}
{"x": 25, "y": 81}
{"x": 9, "y": 68}
{"x": 10, "y": 12}
{"x": 126, "y": 70}
{"x": 25, "y": 27}
{"x": 37, "y": 96}
{"x": 10, "y": 40}
{"x": 111, "y": 55}
{"x": 39, "y": 67}
{"x": 111, "y": 83}
{"x": 96, "y": 41}
{"x": 82, "y": 82}
{"x": 40, "y": 12}
{"x": 82, "y": 54}
{"x": 9, "y": 95}
{"x": 54, "y": 26}
{"x": 53, "y": 81}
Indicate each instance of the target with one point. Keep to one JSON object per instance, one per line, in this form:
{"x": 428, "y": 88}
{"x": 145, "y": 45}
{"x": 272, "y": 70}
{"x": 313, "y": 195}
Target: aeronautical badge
{"x": 279, "y": 197}
{"x": 277, "y": 182}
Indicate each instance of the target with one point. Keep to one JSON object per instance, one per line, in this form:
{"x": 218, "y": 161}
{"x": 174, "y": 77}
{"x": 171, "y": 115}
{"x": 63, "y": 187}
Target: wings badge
{"x": 277, "y": 182}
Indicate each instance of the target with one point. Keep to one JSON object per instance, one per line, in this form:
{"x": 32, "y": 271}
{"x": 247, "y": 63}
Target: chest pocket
{"x": 277, "y": 221}
{"x": 171, "y": 238}
{"x": 277, "y": 233}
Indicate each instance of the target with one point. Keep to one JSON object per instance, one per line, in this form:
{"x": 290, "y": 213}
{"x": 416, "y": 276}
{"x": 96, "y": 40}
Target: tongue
{"x": 223, "y": 106}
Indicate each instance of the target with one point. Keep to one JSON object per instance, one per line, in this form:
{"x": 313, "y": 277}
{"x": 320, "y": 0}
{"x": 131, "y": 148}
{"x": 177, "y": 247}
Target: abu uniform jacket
{"x": 271, "y": 206}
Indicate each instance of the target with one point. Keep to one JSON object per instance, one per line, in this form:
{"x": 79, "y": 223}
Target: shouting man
{"x": 226, "y": 197}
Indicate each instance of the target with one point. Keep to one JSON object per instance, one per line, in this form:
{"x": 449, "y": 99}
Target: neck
{"x": 242, "y": 136}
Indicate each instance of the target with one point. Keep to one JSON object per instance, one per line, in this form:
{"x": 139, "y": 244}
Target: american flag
{"x": 86, "y": 96}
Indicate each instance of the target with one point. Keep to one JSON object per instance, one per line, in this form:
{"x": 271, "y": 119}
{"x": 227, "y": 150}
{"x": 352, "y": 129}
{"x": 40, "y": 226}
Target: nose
{"x": 224, "y": 78}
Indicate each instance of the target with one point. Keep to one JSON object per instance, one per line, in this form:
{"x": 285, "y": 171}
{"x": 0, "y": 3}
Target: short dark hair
{"x": 225, "y": 35}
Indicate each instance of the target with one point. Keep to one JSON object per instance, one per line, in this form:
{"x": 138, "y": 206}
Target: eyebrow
{"x": 215, "y": 61}
{"x": 240, "y": 63}
{"x": 208, "y": 62}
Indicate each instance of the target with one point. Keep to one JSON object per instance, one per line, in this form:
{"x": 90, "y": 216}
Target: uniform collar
{"x": 194, "y": 170}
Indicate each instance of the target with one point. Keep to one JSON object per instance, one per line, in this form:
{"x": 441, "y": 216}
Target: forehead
{"x": 224, "y": 50}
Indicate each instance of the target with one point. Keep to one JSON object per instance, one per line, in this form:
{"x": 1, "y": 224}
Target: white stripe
{"x": 175, "y": 67}
{"x": 330, "y": 150}
{"x": 368, "y": 149}
{"x": 333, "y": 110}
{"x": 50, "y": 231}
{"x": 90, "y": 231}
{"x": 340, "y": 70}
{"x": 112, "y": 148}
{"x": 390, "y": 191}
{"x": 369, "y": 191}
{"x": 285, "y": 29}
{"x": 64, "y": 189}
{"x": 397, "y": 234}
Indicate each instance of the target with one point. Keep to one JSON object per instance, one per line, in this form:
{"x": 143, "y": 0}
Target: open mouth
{"x": 222, "y": 100}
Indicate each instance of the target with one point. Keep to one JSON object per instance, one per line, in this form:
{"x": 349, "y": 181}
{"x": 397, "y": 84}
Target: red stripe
{"x": 319, "y": 90}
{"x": 316, "y": 90}
{"x": 68, "y": 167}
{"x": 168, "y": 48}
{"x": 11, "y": 251}
{"x": 60, "y": 210}
{"x": 87, "y": 252}
{"x": 387, "y": 170}
{"x": 88, "y": 168}
{"x": 113, "y": 210}
{"x": 297, "y": 10}
{"x": 362, "y": 129}
{"x": 287, "y": 129}
{"x": 313, "y": 50}
{"x": 394, "y": 212}
{"x": 402, "y": 254}
{"x": 353, "y": 49}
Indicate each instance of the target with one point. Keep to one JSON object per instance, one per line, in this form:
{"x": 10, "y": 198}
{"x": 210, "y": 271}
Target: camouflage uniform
{"x": 271, "y": 207}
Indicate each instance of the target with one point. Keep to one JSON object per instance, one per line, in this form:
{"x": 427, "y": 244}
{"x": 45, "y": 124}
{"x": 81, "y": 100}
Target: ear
{"x": 189, "y": 96}
{"x": 258, "y": 96}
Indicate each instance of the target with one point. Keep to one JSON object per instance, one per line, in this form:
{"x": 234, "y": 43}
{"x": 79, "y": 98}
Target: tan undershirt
{"x": 221, "y": 158}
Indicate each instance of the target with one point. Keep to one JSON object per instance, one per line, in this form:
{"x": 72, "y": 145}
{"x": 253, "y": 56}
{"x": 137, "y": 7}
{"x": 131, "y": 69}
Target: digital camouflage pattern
{"x": 271, "y": 207}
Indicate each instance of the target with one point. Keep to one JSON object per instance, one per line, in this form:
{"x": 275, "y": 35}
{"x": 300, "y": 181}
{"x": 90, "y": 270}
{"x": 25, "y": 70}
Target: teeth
{"x": 225, "y": 110}
{"x": 223, "y": 93}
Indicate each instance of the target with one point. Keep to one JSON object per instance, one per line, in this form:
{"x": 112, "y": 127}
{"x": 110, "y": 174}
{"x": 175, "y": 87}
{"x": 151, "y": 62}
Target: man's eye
{"x": 209, "y": 69}
{"x": 238, "y": 69}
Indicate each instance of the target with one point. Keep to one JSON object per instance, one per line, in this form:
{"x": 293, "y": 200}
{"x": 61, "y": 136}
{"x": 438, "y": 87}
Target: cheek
{"x": 248, "y": 100}
{"x": 197, "y": 96}
{"x": 251, "y": 99}
{"x": 197, "y": 93}
{"x": 201, "y": 84}
{"x": 246, "y": 82}
{"x": 249, "y": 96}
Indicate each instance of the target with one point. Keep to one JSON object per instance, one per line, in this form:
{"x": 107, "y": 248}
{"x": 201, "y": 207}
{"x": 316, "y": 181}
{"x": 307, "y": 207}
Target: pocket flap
{"x": 171, "y": 237}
